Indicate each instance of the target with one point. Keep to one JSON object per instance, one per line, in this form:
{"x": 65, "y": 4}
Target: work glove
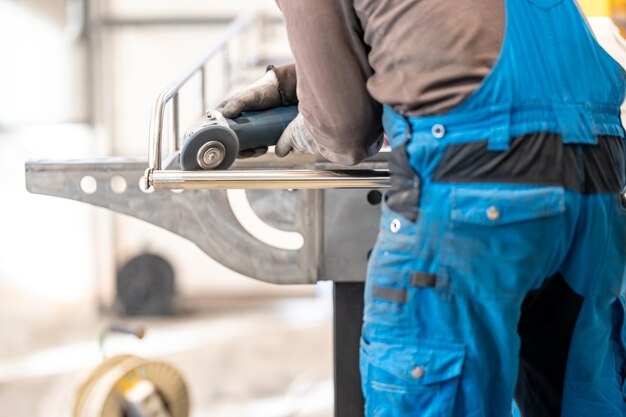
{"x": 263, "y": 94}
{"x": 297, "y": 138}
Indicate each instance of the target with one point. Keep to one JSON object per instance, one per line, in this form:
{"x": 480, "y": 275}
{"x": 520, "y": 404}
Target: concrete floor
{"x": 241, "y": 358}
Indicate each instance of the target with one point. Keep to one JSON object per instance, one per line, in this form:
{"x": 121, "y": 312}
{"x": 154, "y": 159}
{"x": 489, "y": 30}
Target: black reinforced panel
{"x": 546, "y": 326}
{"x": 605, "y": 166}
{"x": 539, "y": 159}
{"x": 404, "y": 195}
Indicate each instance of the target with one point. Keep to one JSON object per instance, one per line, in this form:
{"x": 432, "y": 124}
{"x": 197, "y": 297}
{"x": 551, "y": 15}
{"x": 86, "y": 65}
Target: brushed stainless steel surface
{"x": 324, "y": 217}
{"x": 269, "y": 179}
{"x": 204, "y": 217}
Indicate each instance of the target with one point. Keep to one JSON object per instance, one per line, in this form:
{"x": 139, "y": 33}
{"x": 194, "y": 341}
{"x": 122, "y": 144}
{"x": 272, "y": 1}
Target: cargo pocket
{"x": 496, "y": 234}
{"x": 405, "y": 380}
{"x": 493, "y": 207}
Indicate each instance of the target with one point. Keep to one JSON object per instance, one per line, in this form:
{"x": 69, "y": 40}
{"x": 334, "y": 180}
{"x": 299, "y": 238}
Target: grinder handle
{"x": 263, "y": 128}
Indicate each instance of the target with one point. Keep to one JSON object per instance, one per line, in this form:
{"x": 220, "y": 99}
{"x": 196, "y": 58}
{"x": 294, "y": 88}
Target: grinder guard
{"x": 215, "y": 141}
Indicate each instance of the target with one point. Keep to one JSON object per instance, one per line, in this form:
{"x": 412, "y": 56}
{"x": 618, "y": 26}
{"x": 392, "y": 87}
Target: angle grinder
{"x": 214, "y": 141}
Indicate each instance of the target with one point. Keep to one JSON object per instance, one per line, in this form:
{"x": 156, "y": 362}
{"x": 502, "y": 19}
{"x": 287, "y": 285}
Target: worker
{"x": 499, "y": 268}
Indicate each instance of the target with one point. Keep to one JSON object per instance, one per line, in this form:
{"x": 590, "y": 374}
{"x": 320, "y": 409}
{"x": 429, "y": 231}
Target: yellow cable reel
{"x": 130, "y": 386}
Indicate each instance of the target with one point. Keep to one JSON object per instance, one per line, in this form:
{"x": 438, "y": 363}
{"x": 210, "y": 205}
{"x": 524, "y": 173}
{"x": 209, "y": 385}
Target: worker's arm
{"x": 287, "y": 83}
{"x": 332, "y": 68}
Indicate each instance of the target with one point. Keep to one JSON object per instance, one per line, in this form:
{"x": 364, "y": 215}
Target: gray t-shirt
{"x": 422, "y": 57}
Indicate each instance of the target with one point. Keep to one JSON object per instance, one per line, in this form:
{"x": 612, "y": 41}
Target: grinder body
{"x": 214, "y": 141}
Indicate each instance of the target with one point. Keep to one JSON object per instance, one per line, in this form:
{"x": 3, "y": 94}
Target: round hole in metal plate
{"x": 374, "y": 197}
{"x": 88, "y": 184}
{"x": 118, "y": 184}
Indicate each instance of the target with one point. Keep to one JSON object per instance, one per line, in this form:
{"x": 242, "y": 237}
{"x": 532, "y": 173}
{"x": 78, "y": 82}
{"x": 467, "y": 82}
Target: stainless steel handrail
{"x": 271, "y": 179}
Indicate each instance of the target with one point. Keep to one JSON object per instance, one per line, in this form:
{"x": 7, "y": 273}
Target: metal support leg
{"x": 348, "y": 318}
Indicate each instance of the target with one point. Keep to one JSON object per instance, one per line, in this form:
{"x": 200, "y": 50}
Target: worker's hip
{"x": 466, "y": 220}
{"x": 451, "y": 267}
{"x": 467, "y": 240}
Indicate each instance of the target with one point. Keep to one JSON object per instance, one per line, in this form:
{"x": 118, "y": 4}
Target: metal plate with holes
{"x": 201, "y": 216}
{"x": 336, "y": 227}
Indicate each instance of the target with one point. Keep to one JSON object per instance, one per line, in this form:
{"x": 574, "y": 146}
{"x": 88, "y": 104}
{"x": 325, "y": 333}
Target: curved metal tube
{"x": 158, "y": 112}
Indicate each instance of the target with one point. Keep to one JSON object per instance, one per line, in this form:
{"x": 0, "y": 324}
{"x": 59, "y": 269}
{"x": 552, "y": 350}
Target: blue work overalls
{"x": 499, "y": 268}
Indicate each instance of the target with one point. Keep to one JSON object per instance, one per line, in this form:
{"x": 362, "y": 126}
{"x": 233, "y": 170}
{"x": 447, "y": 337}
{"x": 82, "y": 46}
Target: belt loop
{"x": 576, "y": 123}
{"x": 500, "y": 133}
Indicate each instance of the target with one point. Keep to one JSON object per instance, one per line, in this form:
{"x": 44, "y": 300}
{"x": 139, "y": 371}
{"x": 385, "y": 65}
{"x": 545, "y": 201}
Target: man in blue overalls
{"x": 500, "y": 264}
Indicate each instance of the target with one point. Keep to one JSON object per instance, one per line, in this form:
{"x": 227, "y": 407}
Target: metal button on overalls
{"x": 417, "y": 372}
{"x": 438, "y": 131}
{"x": 493, "y": 213}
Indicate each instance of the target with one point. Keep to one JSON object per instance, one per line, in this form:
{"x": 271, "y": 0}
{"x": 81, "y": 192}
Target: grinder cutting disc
{"x": 211, "y": 146}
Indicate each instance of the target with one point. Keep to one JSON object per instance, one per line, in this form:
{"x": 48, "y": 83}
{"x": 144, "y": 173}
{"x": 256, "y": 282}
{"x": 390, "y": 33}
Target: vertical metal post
{"x": 347, "y": 322}
{"x": 226, "y": 57}
{"x": 175, "y": 123}
{"x": 203, "y": 98}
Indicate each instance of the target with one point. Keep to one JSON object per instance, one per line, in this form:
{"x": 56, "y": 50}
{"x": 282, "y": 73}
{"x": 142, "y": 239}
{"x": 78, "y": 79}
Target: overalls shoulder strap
{"x": 551, "y": 76}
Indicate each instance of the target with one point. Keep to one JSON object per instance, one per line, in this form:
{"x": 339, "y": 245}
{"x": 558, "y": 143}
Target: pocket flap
{"x": 502, "y": 206}
{"x": 420, "y": 364}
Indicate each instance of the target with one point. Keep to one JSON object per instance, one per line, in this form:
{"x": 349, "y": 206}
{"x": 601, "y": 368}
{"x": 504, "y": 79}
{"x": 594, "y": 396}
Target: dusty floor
{"x": 245, "y": 358}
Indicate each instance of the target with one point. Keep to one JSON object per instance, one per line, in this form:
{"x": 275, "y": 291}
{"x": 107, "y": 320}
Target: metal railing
{"x": 238, "y": 25}
{"x": 156, "y": 177}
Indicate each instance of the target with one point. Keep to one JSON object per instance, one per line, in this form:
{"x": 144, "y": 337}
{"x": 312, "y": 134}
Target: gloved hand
{"x": 297, "y": 138}
{"x": 261, "y": 95}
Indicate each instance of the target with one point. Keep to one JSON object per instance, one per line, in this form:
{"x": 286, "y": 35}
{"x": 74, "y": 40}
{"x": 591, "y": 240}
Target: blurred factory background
{"x": 78, "y": 79}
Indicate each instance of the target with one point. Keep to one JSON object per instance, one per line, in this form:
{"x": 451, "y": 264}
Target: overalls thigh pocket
{"x": 402, "y": 380}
